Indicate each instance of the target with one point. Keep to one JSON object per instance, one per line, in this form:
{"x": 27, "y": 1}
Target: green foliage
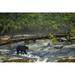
{"x": 53, "y": 38}
{"x": 73, "y": 30}
{"x": 11, "y": 23}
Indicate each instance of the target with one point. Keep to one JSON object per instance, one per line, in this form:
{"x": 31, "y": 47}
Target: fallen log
{"x": 8, "y": 39}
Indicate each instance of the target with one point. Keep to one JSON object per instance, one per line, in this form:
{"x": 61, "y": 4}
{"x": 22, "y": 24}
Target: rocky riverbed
{"x": 41, "y": 51}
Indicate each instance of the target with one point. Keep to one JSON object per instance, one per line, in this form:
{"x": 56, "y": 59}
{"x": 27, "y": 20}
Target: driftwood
{"x": 4, "y": 39}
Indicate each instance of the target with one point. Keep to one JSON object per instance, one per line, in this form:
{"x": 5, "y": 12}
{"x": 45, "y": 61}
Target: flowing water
{"x": 41, "y": 51}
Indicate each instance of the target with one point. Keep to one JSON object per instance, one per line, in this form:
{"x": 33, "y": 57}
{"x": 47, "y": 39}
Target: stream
{"x": 41, "y": 51}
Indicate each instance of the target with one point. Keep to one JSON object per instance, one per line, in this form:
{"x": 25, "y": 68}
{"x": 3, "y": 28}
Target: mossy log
{"x": 67, "y": 59}
{"x": 19, "y": 60}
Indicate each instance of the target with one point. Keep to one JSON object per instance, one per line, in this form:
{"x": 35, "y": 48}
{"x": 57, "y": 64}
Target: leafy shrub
{"x": 52, "y": 38}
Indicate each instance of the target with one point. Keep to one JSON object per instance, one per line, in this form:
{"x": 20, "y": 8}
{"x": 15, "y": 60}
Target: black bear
{"x": 21, "y": 49}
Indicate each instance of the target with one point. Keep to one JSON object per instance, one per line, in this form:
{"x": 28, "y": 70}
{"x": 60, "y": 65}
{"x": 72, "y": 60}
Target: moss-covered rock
{"x": 67, "y": 59}
{"x": 19, "y": 60}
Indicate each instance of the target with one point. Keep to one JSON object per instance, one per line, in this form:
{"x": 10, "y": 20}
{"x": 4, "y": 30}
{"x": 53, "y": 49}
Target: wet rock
{"x": 58, "y": 46}
{"x": 67, "y": 59}
{"x": 19, "y": 60}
